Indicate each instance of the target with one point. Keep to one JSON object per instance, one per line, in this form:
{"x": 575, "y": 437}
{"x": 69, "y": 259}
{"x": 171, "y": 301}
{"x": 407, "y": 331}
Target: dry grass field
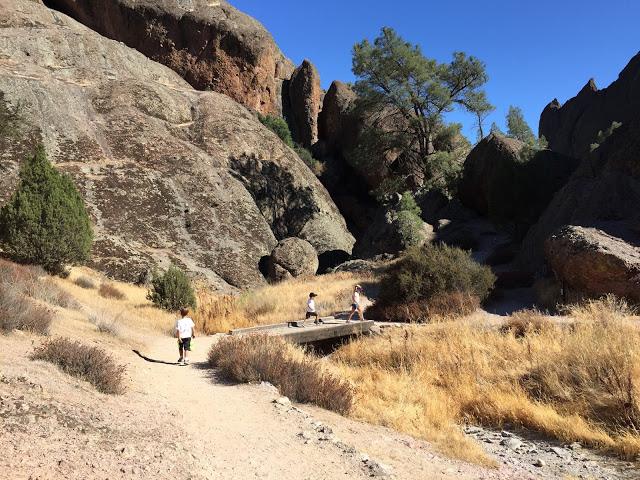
{"x": 578, "y": 381}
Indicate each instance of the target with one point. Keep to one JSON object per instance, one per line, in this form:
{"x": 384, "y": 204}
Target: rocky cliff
{"x": 572, "y": 128}
{"x": 169, "y": 173}
{"x": 209, "y": 43}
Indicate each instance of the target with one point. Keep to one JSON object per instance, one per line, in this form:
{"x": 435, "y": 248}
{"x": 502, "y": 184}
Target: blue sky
{"x": 534, "y": 50}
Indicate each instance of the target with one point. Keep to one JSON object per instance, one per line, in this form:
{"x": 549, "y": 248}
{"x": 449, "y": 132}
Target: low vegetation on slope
{"x": 577, "y": 382}
{"x": 26, "y": 295}
{"x": 86, "y": 362}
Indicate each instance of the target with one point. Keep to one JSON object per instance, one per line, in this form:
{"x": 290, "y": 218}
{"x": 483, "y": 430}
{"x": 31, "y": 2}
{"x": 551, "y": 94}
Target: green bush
{"x": 427, "y": 272}
{"x": 45, "y": 221}
{"x": 278, "y": 126}
{"x": 172, "y": 290}
{"x": 408, "y": 221}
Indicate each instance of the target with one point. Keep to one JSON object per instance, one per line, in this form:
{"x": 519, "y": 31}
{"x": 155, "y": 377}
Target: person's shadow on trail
{"x": 147, "y": 359}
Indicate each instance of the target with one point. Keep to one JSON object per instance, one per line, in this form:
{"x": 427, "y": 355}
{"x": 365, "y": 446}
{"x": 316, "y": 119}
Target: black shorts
{"x": 185, "y": 344}
{"x": 311, "y": 314}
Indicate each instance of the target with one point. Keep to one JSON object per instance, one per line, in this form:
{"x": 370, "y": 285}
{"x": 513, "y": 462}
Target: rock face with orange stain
{"x": 212, "y": 45}
{"x": 169, "y": 174}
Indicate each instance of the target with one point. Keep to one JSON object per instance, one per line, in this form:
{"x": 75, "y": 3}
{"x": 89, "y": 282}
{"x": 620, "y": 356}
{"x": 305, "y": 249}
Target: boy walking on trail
{"x": 311, "y": 309}
{"x": 185, "y": 331}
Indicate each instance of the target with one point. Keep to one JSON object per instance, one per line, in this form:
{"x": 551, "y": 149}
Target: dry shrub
{"x": 432, "y": 281}
{"x": 35, "y": 283}
{"x": 573, "y": 382}
{"x": 257, "y": 358}
{"x": 106, "y": 322}
{"x": 87, "y": 362}
{"x": 85, "y": 282}
{"x": 19, "y": 312}
{"x": 444, "y": 306}
{"x": 107, "y": 290}
{"x": 525, "y": 322}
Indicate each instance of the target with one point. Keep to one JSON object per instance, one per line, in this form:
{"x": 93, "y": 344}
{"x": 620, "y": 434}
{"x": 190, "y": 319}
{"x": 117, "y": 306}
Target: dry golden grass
{"x": 574, "y": 382}
{"x": 274, "y": 303}
{"x": 302, "y": 378}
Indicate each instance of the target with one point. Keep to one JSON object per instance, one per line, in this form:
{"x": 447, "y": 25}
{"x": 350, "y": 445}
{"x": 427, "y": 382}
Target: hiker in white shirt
{"x": 185, "y": 331}
{"x": 311, "y": 309}
{"x": 355, "y": 303}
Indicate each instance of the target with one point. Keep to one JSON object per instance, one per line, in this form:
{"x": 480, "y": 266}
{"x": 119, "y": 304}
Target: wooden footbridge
{"x": 301, "y": 332}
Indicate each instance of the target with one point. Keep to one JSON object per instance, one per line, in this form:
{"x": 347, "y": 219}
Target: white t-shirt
{"x": 184, "y": 327}
{"x": 356, "y": 298}
{"x": 311, "y": 305}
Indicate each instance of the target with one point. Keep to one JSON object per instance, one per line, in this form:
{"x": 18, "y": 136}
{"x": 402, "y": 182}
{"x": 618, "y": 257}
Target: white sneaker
{"x": 187, "y": 362}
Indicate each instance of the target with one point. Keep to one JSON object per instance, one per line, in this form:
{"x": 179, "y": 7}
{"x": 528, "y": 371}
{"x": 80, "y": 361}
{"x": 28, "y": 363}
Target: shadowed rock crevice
{"x": 286, "y": 207}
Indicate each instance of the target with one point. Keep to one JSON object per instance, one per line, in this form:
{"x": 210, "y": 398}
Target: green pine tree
{"x": 172, "y": 290}
{"x": 517, "y": 126}
{"x": 45, "y": 221}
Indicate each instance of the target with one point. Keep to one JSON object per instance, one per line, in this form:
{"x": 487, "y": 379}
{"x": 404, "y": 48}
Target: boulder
{"x": 168, "y": 173}
{"x": 593, "y": 263}
{"x": 603, "y": 193}
{"x": 211, "y": 45}
{"x": 491, "y": 156}
{"x": 510, "y": 190}
{"x": 572, "y": 128}
{"x": 305, "y": 97}
{"x": 292, "y": 257}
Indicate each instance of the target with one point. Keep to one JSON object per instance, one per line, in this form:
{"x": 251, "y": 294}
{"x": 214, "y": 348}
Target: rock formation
{"x": 604, "y": 193}
{"x": 305, "y": 101}
{"x": 338, "y": 127}
{"x": 292, "y": 257}
{"x": 592, "y": 263}
{"x": 491, "y": 156}
{"x": 211, "y": 45}
{"x": 168, "y": 173}
{"x": 574, "y": 126}
{"x": 498, "y": 183}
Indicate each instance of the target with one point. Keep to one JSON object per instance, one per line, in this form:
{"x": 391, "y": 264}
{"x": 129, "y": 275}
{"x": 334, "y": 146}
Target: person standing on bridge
{"x": 185, "y": 331}
{"x": 356, "y": 306}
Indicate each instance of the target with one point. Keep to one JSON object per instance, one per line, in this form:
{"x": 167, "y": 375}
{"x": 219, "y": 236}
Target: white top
{"x": 356, "y": 297}
{"x": 311, "y": 305}
{"x": 184, "y": 327}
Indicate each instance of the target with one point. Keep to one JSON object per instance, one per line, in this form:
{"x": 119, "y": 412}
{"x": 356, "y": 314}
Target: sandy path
{"x": 238, "y": 432}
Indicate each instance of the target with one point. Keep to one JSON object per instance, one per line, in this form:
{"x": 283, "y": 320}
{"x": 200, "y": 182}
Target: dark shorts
{"x": 185, "y": 344}
{"x": 355, "y": 306}
{"x": 311, "y": 314}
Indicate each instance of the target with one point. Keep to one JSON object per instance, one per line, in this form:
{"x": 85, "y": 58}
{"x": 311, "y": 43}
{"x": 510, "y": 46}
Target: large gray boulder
{"x": 589, "y": 262}
{"x": 572, "y": 128}
{"x": 168, "y": 173}
{"x": 212, "y": 45}
{"x": 292, "y": 257}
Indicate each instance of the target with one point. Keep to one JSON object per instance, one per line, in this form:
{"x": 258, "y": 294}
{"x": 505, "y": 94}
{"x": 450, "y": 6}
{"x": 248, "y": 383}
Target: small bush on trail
{"x": 108, "y": 290}
{"x": 172, "y": 290}
{"x": 105, "y": 322}
{"x": 258, "y": 358}
{"x": 45, "y": 221}
{"x": 19, "y": 312}
{"x": 85, "y": 282}
{"x": 525, "y": 322}
{"x": 89, "y": 363}
{"x": 429, "y": 275}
